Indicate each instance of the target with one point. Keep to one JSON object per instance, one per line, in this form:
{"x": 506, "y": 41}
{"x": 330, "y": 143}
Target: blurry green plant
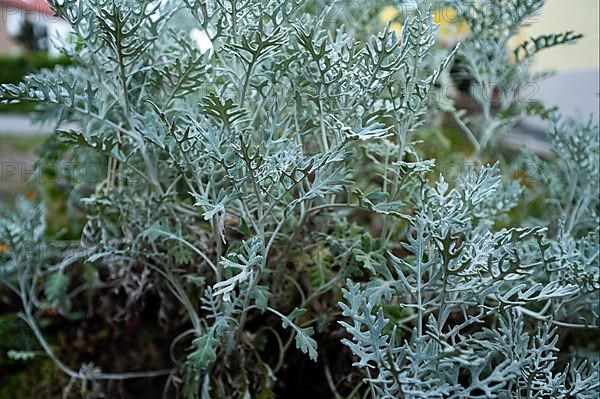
{"x": 270, "y": 167}
{"x": 15, "y": 67}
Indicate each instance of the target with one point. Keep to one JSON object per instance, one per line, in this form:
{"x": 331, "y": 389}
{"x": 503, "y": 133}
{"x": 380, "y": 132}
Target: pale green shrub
{"x": 256, "y": 183}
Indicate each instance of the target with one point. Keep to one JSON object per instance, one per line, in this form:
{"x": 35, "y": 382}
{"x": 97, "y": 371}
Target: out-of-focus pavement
{"x": 21, "y": 124}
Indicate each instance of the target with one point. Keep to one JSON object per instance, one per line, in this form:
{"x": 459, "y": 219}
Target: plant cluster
{"x": 267, "y": 180}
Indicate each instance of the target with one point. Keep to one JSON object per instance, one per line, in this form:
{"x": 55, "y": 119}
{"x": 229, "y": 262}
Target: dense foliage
{"x": 268, "y": 188}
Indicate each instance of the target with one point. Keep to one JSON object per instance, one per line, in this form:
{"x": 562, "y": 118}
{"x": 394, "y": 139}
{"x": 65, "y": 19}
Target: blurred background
{"x": 573, "y": 87}
{"x": 28, "y": 34}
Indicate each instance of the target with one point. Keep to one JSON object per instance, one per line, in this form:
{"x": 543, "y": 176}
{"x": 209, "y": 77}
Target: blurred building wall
{"x": 39, "y": 17}
{"x": 581, "y": 16}
{"x": 7, "y": 44}
{"x": 574, "y": 86}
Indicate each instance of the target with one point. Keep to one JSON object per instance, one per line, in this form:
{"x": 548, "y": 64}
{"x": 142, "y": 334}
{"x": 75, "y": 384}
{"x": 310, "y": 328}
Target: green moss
{"x": 17, "y": 143}
{"x": 37, "y": 380}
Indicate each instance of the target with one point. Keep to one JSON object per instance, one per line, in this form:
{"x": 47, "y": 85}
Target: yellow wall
{"x": 582, "y": 16}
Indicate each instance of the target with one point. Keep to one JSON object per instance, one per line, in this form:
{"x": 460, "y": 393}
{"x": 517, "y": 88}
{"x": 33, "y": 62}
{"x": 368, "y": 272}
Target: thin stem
{"x": 470, "y": 136}
{"x": 28, "y": 318}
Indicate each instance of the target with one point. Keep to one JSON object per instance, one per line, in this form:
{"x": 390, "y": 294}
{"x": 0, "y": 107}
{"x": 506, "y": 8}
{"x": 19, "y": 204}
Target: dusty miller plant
{"x": 282, "y": 155}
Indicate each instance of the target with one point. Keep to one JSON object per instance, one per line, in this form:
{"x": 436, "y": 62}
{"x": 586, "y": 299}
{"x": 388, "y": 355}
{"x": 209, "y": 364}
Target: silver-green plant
{"x": 457, "y": 275}
{"x": 268, "y": 166}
